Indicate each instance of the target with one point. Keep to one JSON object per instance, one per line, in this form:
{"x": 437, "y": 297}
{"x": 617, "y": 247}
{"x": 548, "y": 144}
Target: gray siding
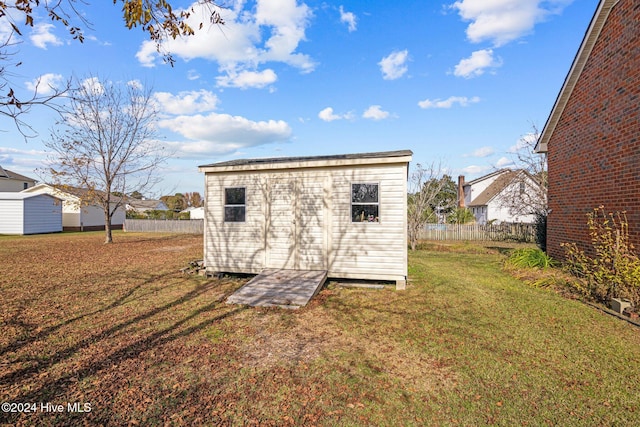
{"x": 42, "y": 214}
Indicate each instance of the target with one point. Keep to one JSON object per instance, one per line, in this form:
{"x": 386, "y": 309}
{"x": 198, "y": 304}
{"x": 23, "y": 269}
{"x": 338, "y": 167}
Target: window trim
{"x": 225, "y": 205}
{"x": 351, "y": 203}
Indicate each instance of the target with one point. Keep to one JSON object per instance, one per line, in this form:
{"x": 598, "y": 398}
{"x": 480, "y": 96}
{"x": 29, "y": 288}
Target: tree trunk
{"x": 108, "y": 238}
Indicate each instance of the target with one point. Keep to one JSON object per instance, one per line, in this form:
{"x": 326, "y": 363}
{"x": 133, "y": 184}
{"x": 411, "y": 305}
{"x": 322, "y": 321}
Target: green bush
{"x": 610, "y": 268}
{"x": 530, "y": 258}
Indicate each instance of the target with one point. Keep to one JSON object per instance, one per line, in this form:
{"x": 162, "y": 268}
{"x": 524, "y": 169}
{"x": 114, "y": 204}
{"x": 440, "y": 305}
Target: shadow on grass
{"x": 60, "y": 385}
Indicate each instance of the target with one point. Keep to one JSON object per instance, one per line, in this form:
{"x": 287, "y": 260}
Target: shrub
{"x": 610, "y": 268}
{"x": 540, "y": 225}
{"x": 530, "y": 258}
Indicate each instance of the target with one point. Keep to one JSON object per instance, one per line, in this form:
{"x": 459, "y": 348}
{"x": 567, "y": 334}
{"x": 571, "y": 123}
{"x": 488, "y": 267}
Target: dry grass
{"x": 119, "y": 327}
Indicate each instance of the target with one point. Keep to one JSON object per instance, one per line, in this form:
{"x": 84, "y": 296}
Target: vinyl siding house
{"x": 144, "y": 205}
{"x": 499, "y": 196}
{"x": 76, "y": 214}
{"x": 14, "y": 182}
{"x": 24, "y": 213}
{"x": 346, "y": 214}
{"x": 592, "y": 135}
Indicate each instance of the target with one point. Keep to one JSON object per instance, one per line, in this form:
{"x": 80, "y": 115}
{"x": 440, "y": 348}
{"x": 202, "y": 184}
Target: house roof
{"x": 66, "y": 191}
{"x": 484, "y": 177}
{"x": 495, "y": 188}
{"x": 7, "y": 174}
{"x": 588, "y": 42}
{"x": 309, "y": 161}
{"x": 144, "y": 204}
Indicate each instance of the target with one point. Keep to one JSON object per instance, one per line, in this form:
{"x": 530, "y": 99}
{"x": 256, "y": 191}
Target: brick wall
{"x": 594, "y": 153}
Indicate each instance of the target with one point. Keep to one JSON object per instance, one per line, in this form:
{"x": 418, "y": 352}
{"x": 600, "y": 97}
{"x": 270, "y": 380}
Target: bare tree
{"x": 530, "y": 196}
{"x": 105, "y": 143}
{"x": 426, "y": 185}
{"x": 156, "y": 18}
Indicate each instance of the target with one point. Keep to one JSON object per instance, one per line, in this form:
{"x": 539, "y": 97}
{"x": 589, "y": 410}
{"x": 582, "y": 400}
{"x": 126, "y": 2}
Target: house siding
{"x": 594, "y": 151}
{"x": 301, "y": 219}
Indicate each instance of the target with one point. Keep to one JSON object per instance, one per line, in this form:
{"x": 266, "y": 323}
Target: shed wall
{"x": 42, "y": 214}
{"x": 301, "y": 218}
{"x": 11, "y": 216}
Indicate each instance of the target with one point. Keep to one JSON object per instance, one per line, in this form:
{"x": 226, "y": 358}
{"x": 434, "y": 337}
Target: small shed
{"x": 345, "y": 214}
{"x": 25, "y": 213}
{"x": 77, "y": 215}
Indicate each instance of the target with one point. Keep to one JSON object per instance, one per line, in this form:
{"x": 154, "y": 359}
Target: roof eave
{"x": 588, "y": 42}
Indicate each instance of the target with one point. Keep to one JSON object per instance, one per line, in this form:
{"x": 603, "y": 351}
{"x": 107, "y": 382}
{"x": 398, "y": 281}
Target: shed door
{"x": 296, "y": 224}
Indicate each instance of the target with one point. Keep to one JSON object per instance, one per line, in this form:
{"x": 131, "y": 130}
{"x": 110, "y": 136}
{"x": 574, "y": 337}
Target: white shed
{"x": 345, "y": 214}
{"x": 24, "y": 213}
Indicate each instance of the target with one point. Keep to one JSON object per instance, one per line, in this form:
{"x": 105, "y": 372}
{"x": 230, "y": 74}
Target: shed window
{"x": 234, "y": 204}
{"x": 365, "y": 206}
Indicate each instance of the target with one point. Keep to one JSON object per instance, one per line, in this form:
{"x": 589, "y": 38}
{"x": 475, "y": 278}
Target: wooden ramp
{"x": 280, "y": 288}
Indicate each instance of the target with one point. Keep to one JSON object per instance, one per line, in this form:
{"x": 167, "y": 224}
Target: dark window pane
{"x": 364, "y": 213}
{"x": 364, "y": 193}
{"x": 234, "y": 196}
{"x": 234, "y": 213}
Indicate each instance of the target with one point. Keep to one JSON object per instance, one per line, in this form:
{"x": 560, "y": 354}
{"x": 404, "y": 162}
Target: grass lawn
{"x": 120, "y": 329}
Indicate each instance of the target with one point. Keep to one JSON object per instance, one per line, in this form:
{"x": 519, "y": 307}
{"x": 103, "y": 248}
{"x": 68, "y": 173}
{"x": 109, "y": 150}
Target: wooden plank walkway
{"x": 280, "y": 288}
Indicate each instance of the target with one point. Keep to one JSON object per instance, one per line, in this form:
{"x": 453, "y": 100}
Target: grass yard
{"x": 118, "y": 332}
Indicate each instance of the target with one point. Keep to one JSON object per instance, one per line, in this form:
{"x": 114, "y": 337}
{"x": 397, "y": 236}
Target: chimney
{"x": 461, "y": 191}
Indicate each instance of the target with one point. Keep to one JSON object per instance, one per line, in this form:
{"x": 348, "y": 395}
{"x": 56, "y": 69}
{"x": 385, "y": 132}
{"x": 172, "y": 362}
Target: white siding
{"x": 11, "y": 216}
{"x": 301, "y": 218}
{"x": 30, "y": 214}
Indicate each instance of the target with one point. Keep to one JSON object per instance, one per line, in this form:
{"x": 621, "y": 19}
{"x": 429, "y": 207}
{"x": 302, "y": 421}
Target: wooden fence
{"x": 192, "y": 226}
{"x": 501, "y": 232}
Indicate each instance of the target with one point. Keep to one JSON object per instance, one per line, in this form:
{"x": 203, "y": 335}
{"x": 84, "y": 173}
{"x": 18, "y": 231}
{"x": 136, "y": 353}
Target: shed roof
{"x": 309, "y": 161}
{"x": 5, "y": 195}
{"x": 588, "y": 42}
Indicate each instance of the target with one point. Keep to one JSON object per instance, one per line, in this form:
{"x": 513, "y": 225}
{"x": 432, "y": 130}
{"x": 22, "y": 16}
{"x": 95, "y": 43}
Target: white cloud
{"x": 475, "y": 169}
{"x": 394, "y": 65}
{"x": 375, "y": 112}
{"x": 502, "y": 21}
{"x": 481, "y": 152}
{"x": 187, "y": 102}
{"x": 271, "y": 32}
{"x": 476, "y": 64}
{"x": 328, "y": 116}
{"x": 193, "y": 74}
{"x": 504, "y": 162}
{"x": 463, "y": 101}
{"x": 222, "y": 133}
{"x": 92, "y": 85}
{"x": 46, "y": 84}
{"x": 42, "y": 35}
{"x": 527, "y": 140}
{"x": 348, "y": 18}
{"x": 248, "y": 79}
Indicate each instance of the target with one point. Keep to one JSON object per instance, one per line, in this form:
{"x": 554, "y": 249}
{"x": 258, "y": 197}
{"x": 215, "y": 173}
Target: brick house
{"x": 592, "y": 136}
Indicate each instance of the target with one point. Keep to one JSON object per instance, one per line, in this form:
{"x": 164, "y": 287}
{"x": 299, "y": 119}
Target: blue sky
{"x": 457, "y": 82}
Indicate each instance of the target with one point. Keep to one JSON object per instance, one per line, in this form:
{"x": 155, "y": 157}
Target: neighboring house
{"x": 144, "y": 205}
{"x": 14, "y": 182}
{"x": 592, "y": 135}
{"x": 77, "y": 215}
{"x": 194, "y": 213}
{"x": 501, "y": 196}
{"x": 24, "y": 213}
{"x": 346, "y": 214}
